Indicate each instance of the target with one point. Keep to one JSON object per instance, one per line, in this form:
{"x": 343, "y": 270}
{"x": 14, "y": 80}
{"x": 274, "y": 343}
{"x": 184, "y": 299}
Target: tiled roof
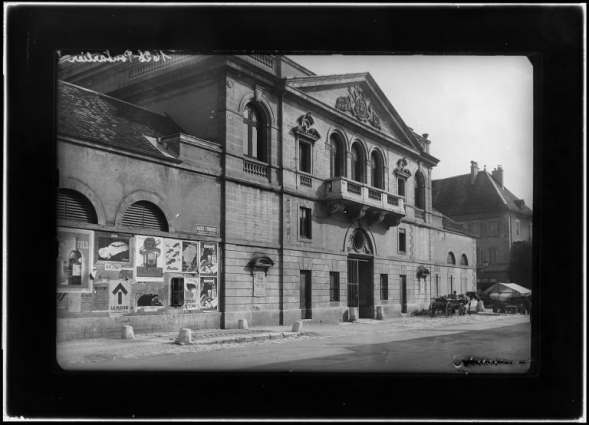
{"x": 456, "y": 196}
{"x": 85, "y": 113}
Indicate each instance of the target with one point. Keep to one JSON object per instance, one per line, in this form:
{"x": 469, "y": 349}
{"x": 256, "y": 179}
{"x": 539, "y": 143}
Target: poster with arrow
{"x": 119, "y": 296}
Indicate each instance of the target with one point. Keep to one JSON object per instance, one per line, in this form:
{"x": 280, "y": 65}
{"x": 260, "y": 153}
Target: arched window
{"x": 463, "y": 260}
{"x": 377, "y": 174}
{"x": 254, "y": 140}
{"x": 357, "y": 163}
{"x": 147, "y": 215}
{"x": 72, "y": 205}
{"x": 450, "y": 259}
{"x": 419, "y": 191}
{"x": 337, "y": 164}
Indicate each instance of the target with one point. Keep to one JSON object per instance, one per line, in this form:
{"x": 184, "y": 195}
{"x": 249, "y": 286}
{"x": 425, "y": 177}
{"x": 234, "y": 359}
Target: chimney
{"x": 425, "y": 135}
{"x": 498, "y": 175}
{"x": 474, "y": 170}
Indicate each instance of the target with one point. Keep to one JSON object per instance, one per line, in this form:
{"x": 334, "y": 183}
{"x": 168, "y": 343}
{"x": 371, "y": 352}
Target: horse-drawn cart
{"x": 448, "y": 304}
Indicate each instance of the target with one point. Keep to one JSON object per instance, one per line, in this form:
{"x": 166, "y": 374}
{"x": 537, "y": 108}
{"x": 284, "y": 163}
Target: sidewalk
{"x": 162, "y": 343}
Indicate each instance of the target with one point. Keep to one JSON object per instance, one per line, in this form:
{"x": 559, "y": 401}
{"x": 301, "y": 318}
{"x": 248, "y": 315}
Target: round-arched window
{"x": 450, "y": 259}
{"x": 147, "y": 215}
{"x": 357, "y": 163}
{"x": 463, "y": 260}
{"x": 72, "y": 205}
{"x": 254, "y": 140}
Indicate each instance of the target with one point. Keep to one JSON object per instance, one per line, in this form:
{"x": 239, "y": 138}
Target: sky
{"x": 474, "y": 108}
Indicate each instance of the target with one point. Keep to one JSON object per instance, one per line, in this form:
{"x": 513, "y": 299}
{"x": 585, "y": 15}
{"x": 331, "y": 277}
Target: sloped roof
{"x": 449, "y": 224}
{"x": 85, "y": 113}
{"x": 456, "y": 196}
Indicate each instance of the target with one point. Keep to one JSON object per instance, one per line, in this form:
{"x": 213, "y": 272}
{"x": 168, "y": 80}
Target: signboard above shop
{"x": 206, "y": 230}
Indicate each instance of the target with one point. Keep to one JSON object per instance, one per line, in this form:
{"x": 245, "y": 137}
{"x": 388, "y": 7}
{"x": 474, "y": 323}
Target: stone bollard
{"x": 353, "y": 314}
{"x": 185, "y": 336}
{"x": 379, "y": 312}
{"x": 127, "y": 332}
{"x": 297, "y": 327}
{"x": 242, "y": 324}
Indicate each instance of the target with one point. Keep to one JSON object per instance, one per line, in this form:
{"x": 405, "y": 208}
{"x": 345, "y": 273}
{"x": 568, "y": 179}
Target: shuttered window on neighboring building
{"x": 463, "y": 260}
{"x": 147, "y": 215}
{"x": 72, "y": 205}
{"x": 450, "y": 259}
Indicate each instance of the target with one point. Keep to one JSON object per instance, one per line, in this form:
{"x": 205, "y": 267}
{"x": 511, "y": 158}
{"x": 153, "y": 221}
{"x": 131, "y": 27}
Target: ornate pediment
{"x": 401, "y": 171}
{"x": 304, "y": 128}
{"x": 358, "y": 104}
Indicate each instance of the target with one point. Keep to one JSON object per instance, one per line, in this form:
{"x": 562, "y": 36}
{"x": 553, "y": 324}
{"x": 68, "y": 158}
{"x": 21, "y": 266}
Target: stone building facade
{"x": 481, "y": 203}
{"x": 312, "y": 194}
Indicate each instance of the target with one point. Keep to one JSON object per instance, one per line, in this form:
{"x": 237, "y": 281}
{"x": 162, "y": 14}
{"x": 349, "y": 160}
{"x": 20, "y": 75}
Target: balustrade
{"x": 354, "y": 188}
{"x": 306, "y": 180}
{"x": 255, "y": 169}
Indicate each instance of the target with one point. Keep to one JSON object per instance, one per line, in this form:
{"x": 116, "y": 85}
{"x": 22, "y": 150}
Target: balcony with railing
{"x": 358, "y": 199}
{"x": 254, "y": 168}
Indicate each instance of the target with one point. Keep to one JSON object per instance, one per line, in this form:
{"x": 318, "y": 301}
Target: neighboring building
{"x": 481, "y": 203}
{"x": 207, "y": 189}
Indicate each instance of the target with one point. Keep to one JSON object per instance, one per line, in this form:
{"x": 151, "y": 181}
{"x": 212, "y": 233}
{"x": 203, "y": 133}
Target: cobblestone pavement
{"x": 163, "y": 343}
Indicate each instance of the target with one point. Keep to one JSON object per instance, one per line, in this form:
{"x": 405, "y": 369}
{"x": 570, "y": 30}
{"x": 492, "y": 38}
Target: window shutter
{"x": 72, "y": 205}
{"x": 463, "y": 260}
{"x": 145, "y": 214}
{"x": 450, "y": 259}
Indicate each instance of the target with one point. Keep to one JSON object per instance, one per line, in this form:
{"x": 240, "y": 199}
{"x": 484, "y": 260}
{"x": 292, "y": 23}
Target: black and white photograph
{"x": 338, "y": 213}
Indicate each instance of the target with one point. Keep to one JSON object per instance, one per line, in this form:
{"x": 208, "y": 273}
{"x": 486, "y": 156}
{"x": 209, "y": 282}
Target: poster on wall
{"x": 172, "y": 255}
{"x": 113, "y": 249}
{"x": 259, "y": 283}
{"x": 74, "y": 252}
{"x": 119, "y": 293}
{"x": 189, "y": 257}
{"x": 208, "y": 294}
{"x": 191, "y": 293}
{"x": 148, "y": 296}
{"x": 208, "y": 259}
{"x": 149, "y": 258}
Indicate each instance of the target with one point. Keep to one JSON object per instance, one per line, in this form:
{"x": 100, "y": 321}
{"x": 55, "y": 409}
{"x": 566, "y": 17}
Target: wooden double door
{"x": 361, "y": 287}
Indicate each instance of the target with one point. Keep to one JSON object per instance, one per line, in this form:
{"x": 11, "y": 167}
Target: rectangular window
{"x": 481, "y": 256}
{"x": 305, "y": 223}
{"x": 483, "y": 228}
{"x": 304, "y": 157}
{"x": 177, "y": 284}
{"x": 401, "y": 187}
{"x": 493, "y": 227}
{"x": 333, "y": 286}
{"x": 384, "y": 286}
{"x": 492, "y": 255}
{"x": 402, "y": 241}
{"x": 474, "y": 228}
{"x": 517, "y": 227}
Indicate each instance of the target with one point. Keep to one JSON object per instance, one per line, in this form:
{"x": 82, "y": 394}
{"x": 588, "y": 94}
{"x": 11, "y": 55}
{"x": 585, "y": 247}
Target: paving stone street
{"x": 165, "y": 343}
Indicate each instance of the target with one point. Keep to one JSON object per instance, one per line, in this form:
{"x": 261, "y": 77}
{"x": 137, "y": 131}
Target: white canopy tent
{"x": 505, "y": 291}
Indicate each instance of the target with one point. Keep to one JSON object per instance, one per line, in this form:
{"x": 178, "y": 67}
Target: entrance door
{"x": 305, "y": 295}
{"x": 403, "y": 294}
{"x": 360, "y": 287}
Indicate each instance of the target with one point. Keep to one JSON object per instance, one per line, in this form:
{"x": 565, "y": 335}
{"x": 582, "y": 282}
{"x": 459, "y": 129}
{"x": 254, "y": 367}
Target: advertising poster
{"x": 208, "y": 259}
{"x": 172, "y": 255}
{"x": 189, "y": 257}
{"x": 119, "y": 293}
{"x": 74, "y": 249}
{"x": 259, "y": 283}
{"x": 208, "y": 293}
{"x": 191, "y": 293}
{"x": 149, "y": 258}
{"x": 113, "y": 248}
